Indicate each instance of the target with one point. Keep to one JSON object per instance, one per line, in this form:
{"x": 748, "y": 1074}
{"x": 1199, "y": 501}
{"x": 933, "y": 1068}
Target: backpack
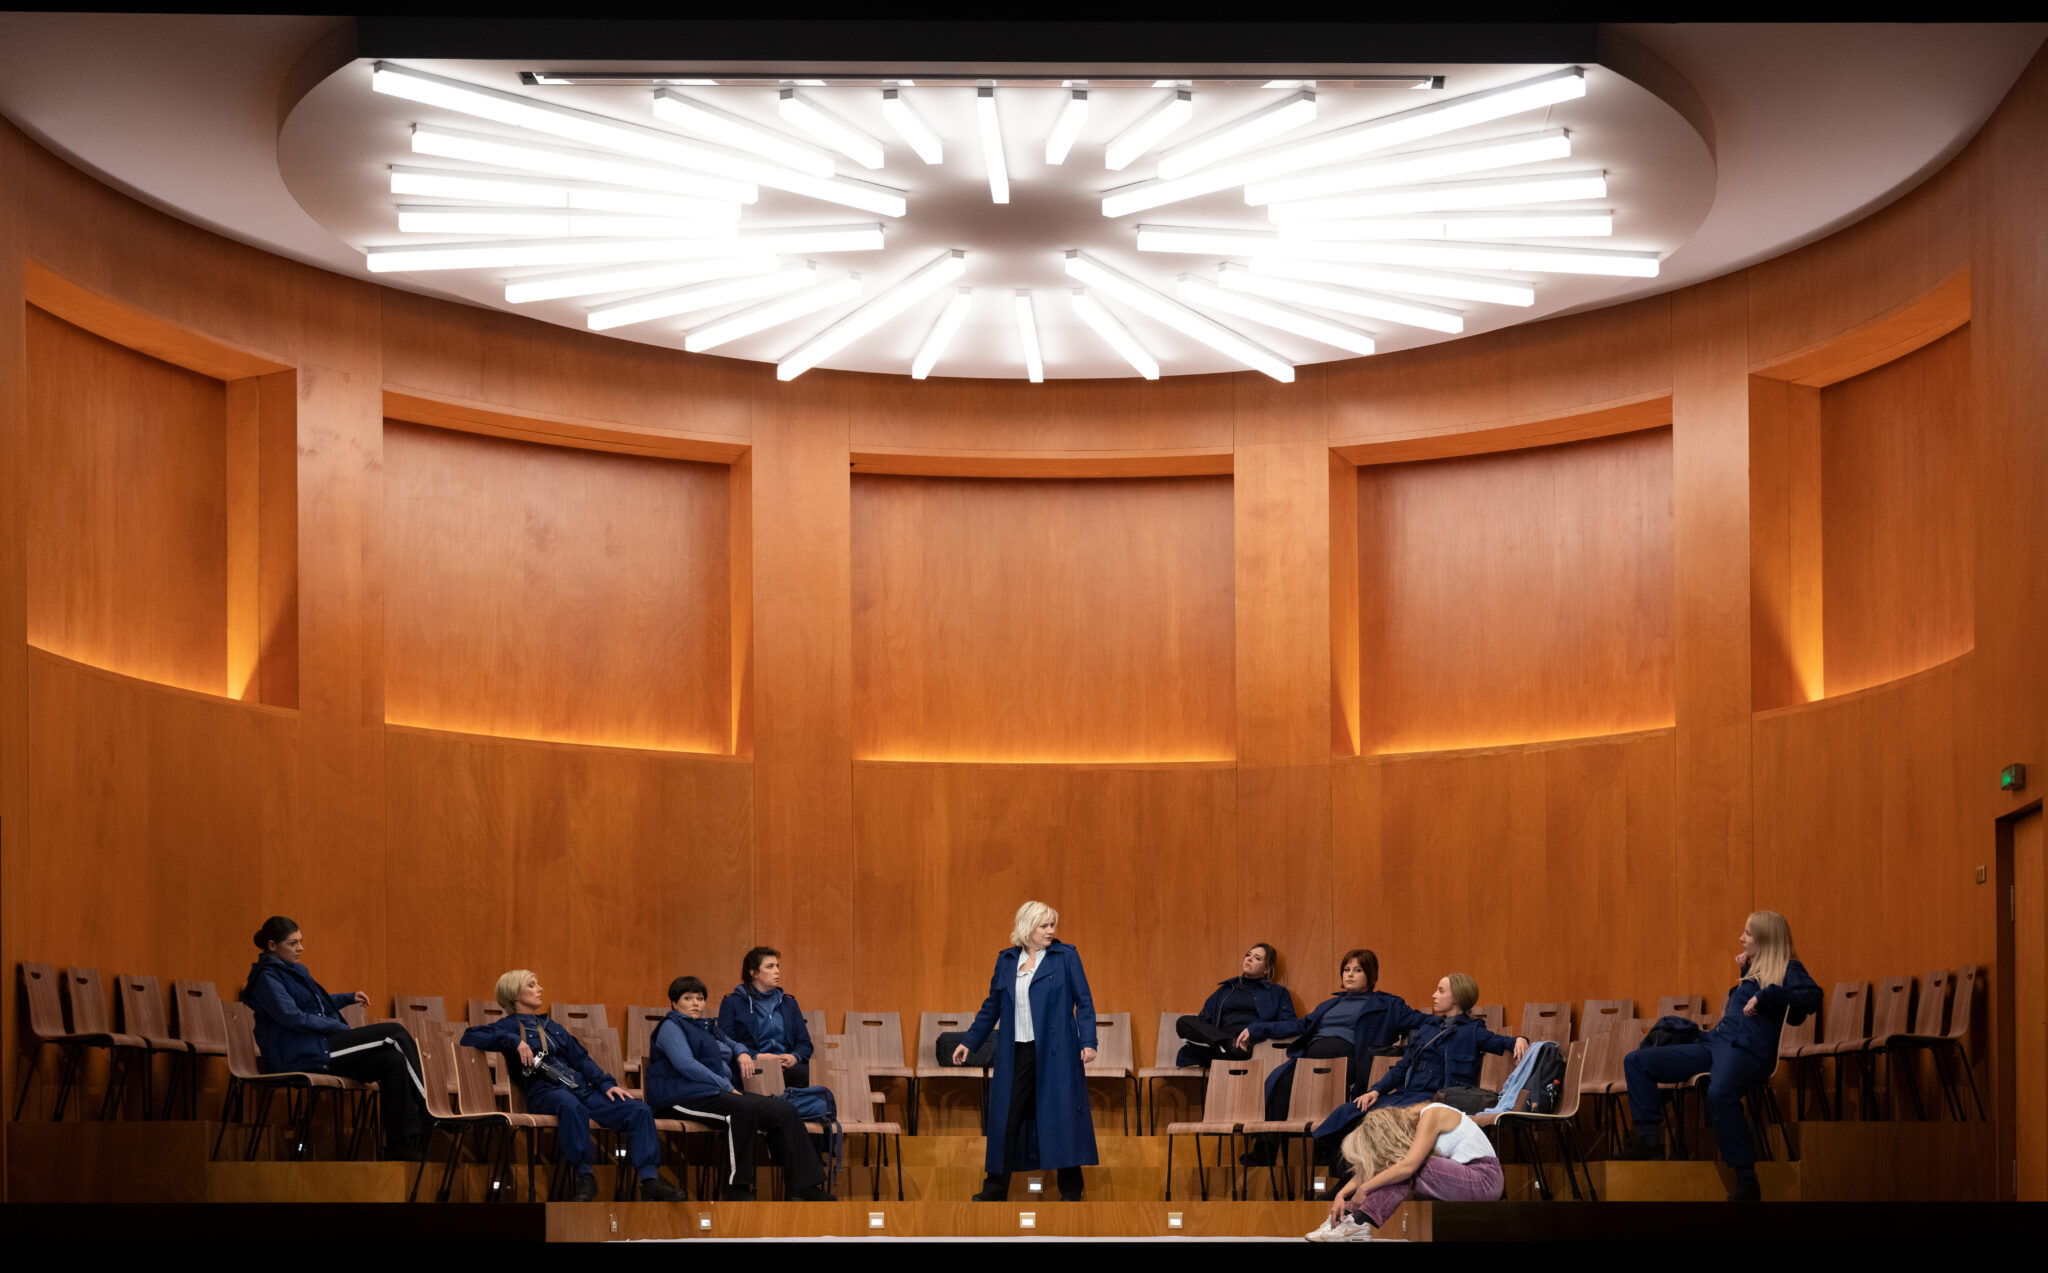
{"x": 1545, "y": 1086}
{"x": 817, "y": 1106}
{"x": 1670, "y": 1031}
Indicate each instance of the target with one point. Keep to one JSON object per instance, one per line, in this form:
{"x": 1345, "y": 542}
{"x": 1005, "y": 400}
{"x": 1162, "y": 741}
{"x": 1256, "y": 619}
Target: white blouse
{"x": 1024, "y": 1032}
{"x": 1464, "y": 1142}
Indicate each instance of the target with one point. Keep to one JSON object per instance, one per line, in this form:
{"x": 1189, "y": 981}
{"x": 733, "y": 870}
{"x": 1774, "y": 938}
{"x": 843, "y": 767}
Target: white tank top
{"x": 1464, "y": 1142}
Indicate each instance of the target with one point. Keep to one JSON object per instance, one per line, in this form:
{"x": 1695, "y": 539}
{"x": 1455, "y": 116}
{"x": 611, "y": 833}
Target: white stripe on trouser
{"x": 732, "y": 1150}
{"x": 410, "y": 1072}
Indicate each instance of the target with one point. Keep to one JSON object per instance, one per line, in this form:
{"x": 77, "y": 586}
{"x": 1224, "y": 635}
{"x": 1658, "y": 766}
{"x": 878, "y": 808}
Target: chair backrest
{"x": 1930, "y": 1015}
{"x": 641, "y": 1019}
{"x": 1494, "y": 1069}
{"x": 579, "y": 1018}
{"x": 473, "y": 1081}
{"x": 1237, "y": 1093}
{"x": 1381, "y": 1066}
{"x": 1605, "y": 1051}
{"x": 1495, "y": 1015}
{"x": 1959, "y": 1006}
{"x": 45, "y": 1004}
{"x": 88, "y": 999}
{"x": 1552, "y": 1021}
{"x": 483, "y": 1010}
{"x": 356, "y": 1015}
{"x": 1574, "y": 1079}
{"x": 244, "y": 1061}
{"x": 767, "y": 1080}
{"x": 1268, "y": 1057}
{"x": 1848, "y": 1013}
{"x": 1166, "y": 1045}
{"x": 1113, "y": 1041}
{"x": 814, "y": 1021}
{"x": 201, "y": 1022}
{"x": 142, "y": 1006}
{"x": 1319, "y": 1084}
{"x": 878, "y": 1036}
{"x": 411, "y": 1008}
{"x": 436, "y": 1070}
{"x": 603, "y": 1046}
{"x": 1691, "y": 1007}
{"x": 1601, "y": 1015}
{"x": 1891, "y": 1009}
{"x": 1793, "y": 1037}
{"x": 930, "y": 1025}
{"x": 841, "y": 1069}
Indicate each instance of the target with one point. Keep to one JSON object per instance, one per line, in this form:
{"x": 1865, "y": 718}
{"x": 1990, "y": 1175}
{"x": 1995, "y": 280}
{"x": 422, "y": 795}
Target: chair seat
{"x": 1833, "y": 1049}
{"x": 1279, "y": 1127}
{"x": 892, "y": 1072}
{"x": 1105, "y": 1071}
{"x": 1201, "y": 1129}
{"x": 872, "y": 1129}
{"x": 1170, "y": 1072}
{"x": 163, "y": 1043}
{"x": 678, "y": 1126}
{"x": 945, "y": 1072}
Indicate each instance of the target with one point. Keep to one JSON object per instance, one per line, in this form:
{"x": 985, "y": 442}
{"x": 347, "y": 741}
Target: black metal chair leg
{"x": 1169, "y": 1164}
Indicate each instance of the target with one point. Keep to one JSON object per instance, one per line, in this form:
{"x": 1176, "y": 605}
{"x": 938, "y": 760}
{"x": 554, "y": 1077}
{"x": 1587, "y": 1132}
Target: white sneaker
{"x": 1345, "y": 1230}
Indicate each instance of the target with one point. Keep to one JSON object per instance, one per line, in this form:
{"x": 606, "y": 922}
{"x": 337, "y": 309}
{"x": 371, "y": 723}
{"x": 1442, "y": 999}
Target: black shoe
{"x": 1070, "y": 1197}
{"x": 659, "y": 1190}
{"x": 816, "y": 1193}
{"x": 1641, "y": 1151}
{"x": 1746, "y": 1190}
{"x": 988, "y": 1195}
{"x": 1259, "y": 1155}
{"x": 738, "y": 1195}
{"x": 404, "y": 1152}
{"x": 585, "y": 1189}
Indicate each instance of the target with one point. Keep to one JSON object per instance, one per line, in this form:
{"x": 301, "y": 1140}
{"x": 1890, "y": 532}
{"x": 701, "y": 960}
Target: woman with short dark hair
{"x": 764, "y": 1019}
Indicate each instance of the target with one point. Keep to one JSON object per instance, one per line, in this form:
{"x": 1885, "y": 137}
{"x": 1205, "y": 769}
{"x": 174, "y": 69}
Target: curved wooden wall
{"x": 1171, "y": 599}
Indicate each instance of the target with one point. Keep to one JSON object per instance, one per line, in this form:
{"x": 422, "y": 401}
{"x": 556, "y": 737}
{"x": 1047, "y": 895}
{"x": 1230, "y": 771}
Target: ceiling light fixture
{"x": 911, "y": 127}
{"x": 1067, "y": 127}
{"x": 772, "y": 313}
{"x": 1344, "y": 300}
{"x": 532, "y": 193}
{"x": 1091, "y": 273}
{"x": 634, "y": 278}
{"x": 701, "y": 296}
{"x": 1445, "y": 196}
{"x": 552, "y": 223}
{"x": 1522, "y": 258}
{"x": 941, "y": 334}
{"x": 583, "y": 165}
{"x": 1027, "y": 331}
{"x": 1412, "y": 166}
{"x": 1199, "y": 291}
{"x": 1239, "y": 135}
{"x": 1152, "y": 128}
{"x": 801, "y": 112}
{"x": 991, "y": 129}
{"x": 728, "y": 129}
{"x": 594, "y": 251}
{"x": 872, "y": 315}
{"x": 1592, "y": 223}
{"x": 1114, "y": 334}
{"x": 1465, "y": 287}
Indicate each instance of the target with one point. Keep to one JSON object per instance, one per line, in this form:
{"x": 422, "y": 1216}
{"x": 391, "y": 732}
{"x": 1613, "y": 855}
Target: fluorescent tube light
{"x": 1342, "y": 299}
{"x": 1445, "y": 196}
{"x": 1286, "y": 318}
{"x": 583, "y": 165}
{"x": 941, "y": 335}
{"x": 1596, "y": 223}
{"x": 635, "y": 278}
{"x": 701, "y": 296}
{"x": 799, "y": 111}
{"x": 631, "y": 139}
{"x": 772, "y": 313}
{"x": 533, "y": 193}
{"x": 1151, "y": 129}
{"x": 1466, "y": 287}
{"x": 726, "y": 128}
{"x": 1114, "y": 334}
{"x": 1027, "y": 331}
{"x": 872, "y": 315}
{"x": 470, "y": 256}
{"x": 1067, "y": 127}
{"x": 553, "y": 223}
{"x": 991, "y": 130}
{"x": 910, "y": 126}
{"x": 1239, "y": 135}
{"x": 1091, "y": 273}
{"x": 1522, "y": 258}
{"x": 1412, "y": 166}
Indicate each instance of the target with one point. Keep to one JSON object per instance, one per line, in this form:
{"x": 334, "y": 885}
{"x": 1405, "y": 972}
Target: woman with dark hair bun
{"x": 1216, "y": 1032}
{"x": 299, "y": 1030}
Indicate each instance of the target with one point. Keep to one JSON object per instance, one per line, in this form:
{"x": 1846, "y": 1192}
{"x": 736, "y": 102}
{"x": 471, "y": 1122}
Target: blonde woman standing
{"x": 1419, "y": 1151}
{"x": 1044, "y": 1021}
{"x": 1737, "y": 1054}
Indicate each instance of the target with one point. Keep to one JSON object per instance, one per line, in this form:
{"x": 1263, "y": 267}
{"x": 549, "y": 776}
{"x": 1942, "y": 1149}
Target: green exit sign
{"x": 2012, "y": 778}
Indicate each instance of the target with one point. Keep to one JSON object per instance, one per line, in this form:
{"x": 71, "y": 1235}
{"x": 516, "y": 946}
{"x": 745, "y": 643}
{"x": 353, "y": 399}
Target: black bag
{"x": 1467, "y": 1100}
{"x": 1670, "y": 1031}
{"x": 1545, "y": 1085}
{"x": 984, "y": 1056}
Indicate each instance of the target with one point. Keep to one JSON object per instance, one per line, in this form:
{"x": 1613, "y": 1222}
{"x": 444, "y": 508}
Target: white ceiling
{"x": 1810, "y": 127}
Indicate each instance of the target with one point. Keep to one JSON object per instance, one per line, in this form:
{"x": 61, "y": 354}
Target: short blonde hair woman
{"x": 1423, "y": 1151}
{"x": 1737, "y": 1054}
{"x": 1029, "y": 916}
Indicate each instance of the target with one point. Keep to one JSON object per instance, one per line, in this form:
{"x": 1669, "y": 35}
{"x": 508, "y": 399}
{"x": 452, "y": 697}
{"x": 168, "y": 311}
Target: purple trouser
{"x": 1440, "y": 1180}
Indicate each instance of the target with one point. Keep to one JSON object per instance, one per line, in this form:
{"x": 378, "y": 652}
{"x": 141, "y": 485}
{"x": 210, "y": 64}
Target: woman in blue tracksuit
{"x": 693, "y": 1069}
{"x": 1246, "y": 999}
{"x": 765, "y": 1020}
{"x": 1736, "y": 1055}
{"x": 1043, "y": 1018}
{"x": 299, "y": 1030}
{"x": 1354, "y": 1024}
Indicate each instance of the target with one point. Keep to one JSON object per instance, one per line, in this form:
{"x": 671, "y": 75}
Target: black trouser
{"x": 798, "y": 1075}
{"x": 1210, "y": 1041}
{"x": 743, "y": 1114}
{"x": 1024, "y": 1109}
{"x": 384, "y": 1054}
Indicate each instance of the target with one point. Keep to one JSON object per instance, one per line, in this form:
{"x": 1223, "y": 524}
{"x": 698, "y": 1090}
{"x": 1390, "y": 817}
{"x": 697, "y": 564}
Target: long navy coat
{"x": 1062, "y": 1022}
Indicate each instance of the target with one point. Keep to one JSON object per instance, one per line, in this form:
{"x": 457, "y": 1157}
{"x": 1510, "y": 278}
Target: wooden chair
{"x": 930, "y": 1025}
{"x": 814, "y": 1021}
{"x": 1603, "y": 1079}
{"x": 837, "y": 1064}
{"x": 483, "y": 1010}
{"x": 436, "y": 1042}
{"x": 1236, "y": 1095}
{"x": 142, "y": 1015}
{"x": 1891, "y": 1015}
{"x": 411, "y": 1010}
{"x": 1113, "y": 1059}
{"x": 1843, "y": 1031}
{"x": 639, "y": 1034}
{"x": 1604, "y": 1014}
{"x": 1318, "y": 1087}
{"x": 1494, "y": 1015}
{"x": 878, "y": 1038}
{"x": 46, "y": 1025}
{"x": 1691, "y": 1007}
{"x": 474, "y": 1091}
{"x": 1547, "y": 1022}
{"x": 87, "y": 998}
{"x": 579, "y": 1018}
{"x": 1946, "y": 1046}
{"x": 202, "y": 1026}
{"x": 301, "y": 1089}
{"x": 1563, "y": 1122}
{"x": 1164, "y": 1048}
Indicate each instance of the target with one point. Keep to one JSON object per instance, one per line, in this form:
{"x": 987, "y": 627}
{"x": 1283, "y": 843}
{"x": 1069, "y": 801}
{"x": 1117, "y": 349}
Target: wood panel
{"x": 942, "y": 414}
{"x": 1516, "y": 597}
{"x": 14, "y": 655}
{"x": 554, "y": 593}
{"x": 263, "y": 538}
{"x": 1042, "y": 620}
{"x": 127, "y": 517}
{"x": 1786, "y": 662}
{"x": 1899, "y": 548}
{"x": 608, "y": 872}
{"x": 1282, "y": 580}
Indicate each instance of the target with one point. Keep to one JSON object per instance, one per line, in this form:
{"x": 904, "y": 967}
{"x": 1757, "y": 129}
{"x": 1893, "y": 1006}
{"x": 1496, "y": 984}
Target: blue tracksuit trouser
{"x": 574, "y": 1112}
{"x": 1732, "y": 1072}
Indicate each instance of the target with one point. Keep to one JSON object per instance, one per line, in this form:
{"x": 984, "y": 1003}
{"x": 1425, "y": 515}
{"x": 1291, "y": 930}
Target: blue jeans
{"x": 1731, "y": 1073}
{"x": 573, "y": 1117}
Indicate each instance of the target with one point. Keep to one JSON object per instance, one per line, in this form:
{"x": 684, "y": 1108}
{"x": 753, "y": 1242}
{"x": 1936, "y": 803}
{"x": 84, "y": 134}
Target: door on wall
{"x": 2028, "y": 914}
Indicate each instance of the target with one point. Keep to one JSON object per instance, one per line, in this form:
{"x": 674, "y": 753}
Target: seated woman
{"x": 559, "y": 1079}
{"x": 1355, "y": 1024}
{"x": 694, "y": 1069}
{"x": 765, "y": 1020}
{"x": 1443, "y": 1051}
{"x": 1420, "y": 1151}
{"x": 1251, "y": 996}
{"x": 1736, "y": 1055}
{"x": 299, "y": 1030}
